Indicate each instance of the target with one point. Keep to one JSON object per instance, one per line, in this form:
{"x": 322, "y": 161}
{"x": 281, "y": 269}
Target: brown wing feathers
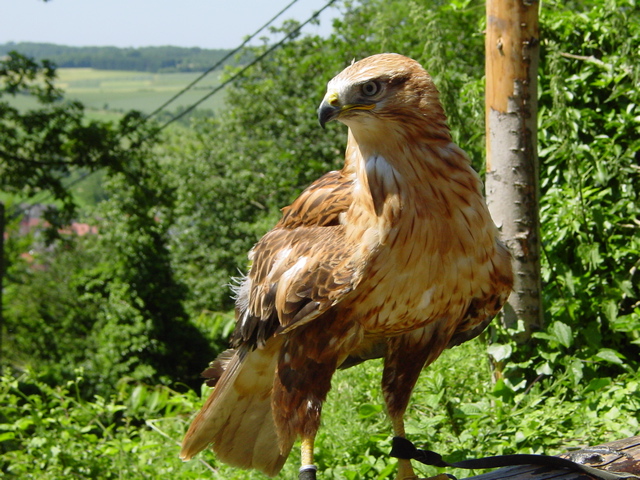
{"x": 277, "y": 294}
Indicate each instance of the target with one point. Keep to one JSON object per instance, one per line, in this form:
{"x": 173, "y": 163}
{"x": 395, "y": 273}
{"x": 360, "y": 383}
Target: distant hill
{"x": 144, "y": 59}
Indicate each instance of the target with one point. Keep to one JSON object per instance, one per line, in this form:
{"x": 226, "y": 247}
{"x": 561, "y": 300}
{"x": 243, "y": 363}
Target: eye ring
{"x": 370, "y": 88}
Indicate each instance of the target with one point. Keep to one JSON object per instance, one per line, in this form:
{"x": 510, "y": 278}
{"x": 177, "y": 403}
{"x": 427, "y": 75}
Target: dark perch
{"x": 619, "y": 456}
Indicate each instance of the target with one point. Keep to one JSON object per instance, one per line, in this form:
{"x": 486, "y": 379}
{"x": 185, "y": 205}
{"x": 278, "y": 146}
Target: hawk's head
{"x": 386, "y": 87}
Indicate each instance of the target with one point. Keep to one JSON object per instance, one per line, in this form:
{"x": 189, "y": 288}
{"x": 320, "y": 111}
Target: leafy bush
{"x": 53, "y": 433}
{"x": 107, "y": 302}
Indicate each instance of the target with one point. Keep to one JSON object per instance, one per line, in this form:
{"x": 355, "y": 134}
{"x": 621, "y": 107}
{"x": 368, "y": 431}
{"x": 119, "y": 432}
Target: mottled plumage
{"x": 394, "y": 256}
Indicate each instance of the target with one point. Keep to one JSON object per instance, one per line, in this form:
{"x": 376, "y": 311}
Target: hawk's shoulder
{"x": 321, "y": 203}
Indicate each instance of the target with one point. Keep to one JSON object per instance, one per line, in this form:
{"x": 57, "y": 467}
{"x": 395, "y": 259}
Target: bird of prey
{"x": 394, "y": 256}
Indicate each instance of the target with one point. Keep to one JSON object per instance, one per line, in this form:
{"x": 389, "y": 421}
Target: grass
{"x": 50, "y": 433}
{"x": 107, "y": 93}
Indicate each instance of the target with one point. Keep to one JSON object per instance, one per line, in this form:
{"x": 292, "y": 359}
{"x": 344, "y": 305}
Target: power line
{"x": 220, "y": 62}
{"x": 239, "y": 73}
{"x": 188, "y": 87}
{"x": 294, "y": 32}
{"x": 228, "y": 81}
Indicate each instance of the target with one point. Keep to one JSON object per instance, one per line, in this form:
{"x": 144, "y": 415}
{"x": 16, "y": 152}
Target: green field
{"x": 106, "y": 93}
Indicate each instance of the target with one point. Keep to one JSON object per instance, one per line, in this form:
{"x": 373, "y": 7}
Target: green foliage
{"x": 107, "y": 302}
{"x": 44, "y": 317}
{"x": 52, "y": 433}
{"x": 39, "y": 148}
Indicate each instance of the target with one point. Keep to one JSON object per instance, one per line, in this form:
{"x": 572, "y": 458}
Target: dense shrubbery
{"x": 53, "y": 432}
{"x": 108, "y": 303}
{"x": 138, "y": 300}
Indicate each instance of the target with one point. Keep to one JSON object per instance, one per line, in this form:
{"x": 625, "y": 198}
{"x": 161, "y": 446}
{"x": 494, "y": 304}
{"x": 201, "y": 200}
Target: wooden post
{"x": 512, "y": 50}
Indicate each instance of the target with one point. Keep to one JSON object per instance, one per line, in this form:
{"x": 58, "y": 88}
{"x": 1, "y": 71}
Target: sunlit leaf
{"x": 610, "y": 356}
{"x": 562, "y": 333}
{"x": 499, "y": 352}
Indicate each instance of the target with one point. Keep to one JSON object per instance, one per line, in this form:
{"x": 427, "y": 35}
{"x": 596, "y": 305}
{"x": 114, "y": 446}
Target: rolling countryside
{"x": 108, "y": 93}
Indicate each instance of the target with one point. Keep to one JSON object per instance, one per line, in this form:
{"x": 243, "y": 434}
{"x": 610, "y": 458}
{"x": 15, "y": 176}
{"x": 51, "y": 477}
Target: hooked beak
{"x": 329, "y": 108}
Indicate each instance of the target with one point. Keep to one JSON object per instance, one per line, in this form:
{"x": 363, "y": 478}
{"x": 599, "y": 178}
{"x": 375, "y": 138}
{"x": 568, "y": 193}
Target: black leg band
{"x": 307, "y": 472}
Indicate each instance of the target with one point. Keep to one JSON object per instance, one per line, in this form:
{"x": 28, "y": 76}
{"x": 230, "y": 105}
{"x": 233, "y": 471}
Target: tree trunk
{"x": 512, "y": 49}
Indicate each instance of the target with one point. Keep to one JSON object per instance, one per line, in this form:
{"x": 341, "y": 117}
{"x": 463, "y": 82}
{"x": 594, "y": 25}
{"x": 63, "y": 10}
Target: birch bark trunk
{"x": 512, "y": 50}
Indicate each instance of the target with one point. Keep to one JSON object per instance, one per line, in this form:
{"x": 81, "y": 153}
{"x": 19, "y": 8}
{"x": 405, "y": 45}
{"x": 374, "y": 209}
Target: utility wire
{"x": 245, "y": 68}
{"x": 221, "y": 61}
{"x": 224, "y": 84}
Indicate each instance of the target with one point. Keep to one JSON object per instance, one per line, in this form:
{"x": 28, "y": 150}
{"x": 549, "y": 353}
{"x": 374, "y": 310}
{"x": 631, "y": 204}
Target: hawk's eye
{"x": 369, "y": 89}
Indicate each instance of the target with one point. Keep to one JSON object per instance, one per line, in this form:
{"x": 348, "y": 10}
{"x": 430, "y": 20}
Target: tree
{"x": 40, "y": 148}
{"x": 109, "y": 302}
{"x": 512, "y": 178}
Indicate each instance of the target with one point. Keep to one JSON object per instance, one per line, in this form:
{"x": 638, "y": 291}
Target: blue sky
{"x": 136, "y": 23}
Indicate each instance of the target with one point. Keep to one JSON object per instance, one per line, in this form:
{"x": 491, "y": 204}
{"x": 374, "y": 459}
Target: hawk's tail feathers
{"x": 236, "y": 420}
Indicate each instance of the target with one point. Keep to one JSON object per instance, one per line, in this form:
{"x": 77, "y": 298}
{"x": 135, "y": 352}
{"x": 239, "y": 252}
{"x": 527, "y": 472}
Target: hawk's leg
{"x": 406, "y": 356}
{"x": 405, "y": 470}
{"x": 308, "y": 468}
{"x": 306, "y": 364}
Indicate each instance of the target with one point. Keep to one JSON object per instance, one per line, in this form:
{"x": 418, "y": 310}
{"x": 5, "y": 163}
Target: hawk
{"x": 394, "y": 256}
